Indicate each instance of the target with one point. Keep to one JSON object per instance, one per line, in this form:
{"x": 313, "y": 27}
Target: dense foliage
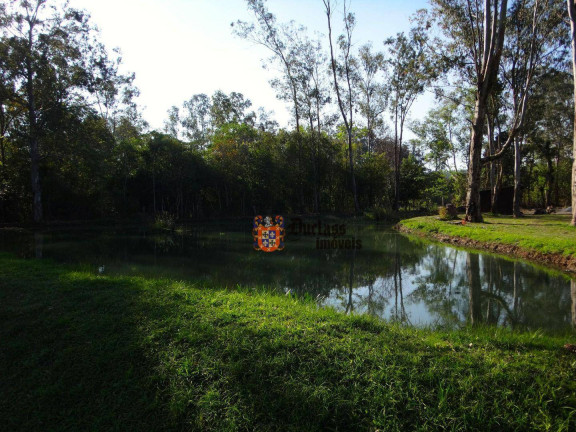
{"x": 73, "y": 144}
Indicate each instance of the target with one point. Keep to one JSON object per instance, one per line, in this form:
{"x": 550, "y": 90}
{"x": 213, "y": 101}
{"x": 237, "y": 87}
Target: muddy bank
{"x": 558, "y": 261}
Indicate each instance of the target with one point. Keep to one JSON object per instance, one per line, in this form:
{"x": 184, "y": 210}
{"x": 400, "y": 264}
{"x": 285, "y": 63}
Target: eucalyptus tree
{"x": 572, "y": 16}
{"x": 230, "y": 108}
{"x": 411, "y": 67}
{"x": 548, "y": 131}
{"x": 278, "y": 38}
{"x": 112, "y": 94}
{"x": 9, "y": 112}
{"x": 314, "y": 93}
{"x": 476, "y": 37}
{"x": 343, "y": 71}
{"x": 172, "y": 123}
{"x": 314, "y": 96}
{"x": 196, "y": 119}
{"x": 481, "y": 42}
{"x": 372, "y": 90}
{"x": 46, "y": 55}
{"x": 433, "y": 134}
{"x": 534, "y": 42}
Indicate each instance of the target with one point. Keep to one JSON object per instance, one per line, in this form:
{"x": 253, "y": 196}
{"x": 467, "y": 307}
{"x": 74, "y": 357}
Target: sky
{"x": 178, "y": 48}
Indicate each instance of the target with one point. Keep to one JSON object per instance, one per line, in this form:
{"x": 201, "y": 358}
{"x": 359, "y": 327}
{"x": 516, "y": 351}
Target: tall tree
{"x": 172, "y": 123}
{"x": 278, "y": 39}
{"x": 477, "y": 36}
{"x": 46, "y": 52}
{"x": 314, "y": 96}
{"x": 534, "y": 37}
{"x": 572, "y": 15}
{"x": 548, "y": 130}
{"x": 230, "y": 108}
{"x": 411, "y": 68}
{"x": 196, "y": 121}
{"x": 373, "y": 103}
{"x": 344, "y": 96}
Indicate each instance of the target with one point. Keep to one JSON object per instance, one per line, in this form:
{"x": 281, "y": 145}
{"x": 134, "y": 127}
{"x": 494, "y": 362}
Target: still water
{"x": 386, "y": 274}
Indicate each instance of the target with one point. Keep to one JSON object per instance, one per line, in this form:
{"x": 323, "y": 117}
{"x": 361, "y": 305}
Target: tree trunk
{"x": 396, "y": 204}
{"x": 549, "y": 177}
{"x": 347, "y": 121}
{"x": 494, "y": 204}
{"x": 353, "y": 177}
{"x": 35, "y": 179}
{"x": 153, "y": 189}
{"x": 473, "y": 209}
{"x": 487, "y": 63}
{"x": 517, "y": 182}
{"x": 573, "y": 223}
{"x": 33, "y": 135}
{"x": 572, "y": 15}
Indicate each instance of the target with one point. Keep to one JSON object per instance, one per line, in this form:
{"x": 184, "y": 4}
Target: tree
{"x": 46, "y": 55}
{"x": 411, "y": 68}
{"x": 172, "y": 124}
{"x": 435, "y": 135}
{"x": 196, "y": 121}
{"x": 548, "y": 133}
{"x": 572, "y": 15}
{"x": 477, "y": 38}
{"x": 278, "y": 39}
{"x": 373, "y": 102}
{"x": 535, "y": 34}
{"x": 483, "y": 41}
{"x": 230, "y": 109}
{"x": 345, "y": 70}
{"x": 314, "y": 96}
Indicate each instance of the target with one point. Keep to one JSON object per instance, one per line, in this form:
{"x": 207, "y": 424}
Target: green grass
{"x": 85, "y": 352}
{"x": 543, "y": 233}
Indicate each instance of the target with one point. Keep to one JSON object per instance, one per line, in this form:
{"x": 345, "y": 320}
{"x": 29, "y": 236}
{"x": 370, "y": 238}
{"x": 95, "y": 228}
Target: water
{"x": 386, "y": 274}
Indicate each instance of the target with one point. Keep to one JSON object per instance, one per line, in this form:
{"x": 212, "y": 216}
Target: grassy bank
{"x": 86, "y": 352}
{"x": 545, "y": 238}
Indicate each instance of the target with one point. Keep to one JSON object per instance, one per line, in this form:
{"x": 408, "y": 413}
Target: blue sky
{"x": 178, "y": 48}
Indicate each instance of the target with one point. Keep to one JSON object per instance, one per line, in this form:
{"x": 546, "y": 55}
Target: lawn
{"x": 547, "y": 234}
{"x": 81, "y": 351}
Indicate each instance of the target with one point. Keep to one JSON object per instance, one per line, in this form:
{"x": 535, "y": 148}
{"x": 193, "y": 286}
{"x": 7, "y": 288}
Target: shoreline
{"x": 555, "y": 260}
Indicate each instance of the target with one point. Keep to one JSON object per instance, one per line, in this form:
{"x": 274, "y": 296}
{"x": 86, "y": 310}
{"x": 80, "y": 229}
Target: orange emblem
{"x": 268, "y": 236}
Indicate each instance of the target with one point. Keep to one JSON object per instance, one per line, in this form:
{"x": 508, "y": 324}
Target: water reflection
{"x": 573, "y": 296}
{"x": 392, "y": 276}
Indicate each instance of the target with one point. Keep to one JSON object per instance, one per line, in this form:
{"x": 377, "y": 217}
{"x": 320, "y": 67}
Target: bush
{"x": 444, "y": 214}
{"x": 165, "y": 220}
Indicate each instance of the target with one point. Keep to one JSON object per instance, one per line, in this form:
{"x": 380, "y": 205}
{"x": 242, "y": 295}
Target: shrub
{"x": 444, "y": 213}
{"x": 165, "y": 220}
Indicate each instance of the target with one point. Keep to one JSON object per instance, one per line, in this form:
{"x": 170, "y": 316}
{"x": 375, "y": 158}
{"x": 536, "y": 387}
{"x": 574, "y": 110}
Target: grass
{"x": 79, "y": 351}
{"x": 548, "y": 234}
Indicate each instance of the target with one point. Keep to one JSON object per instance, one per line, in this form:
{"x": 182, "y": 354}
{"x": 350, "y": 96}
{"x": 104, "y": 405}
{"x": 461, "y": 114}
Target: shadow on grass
{"x": 72, "y": 356}
{"x": 83, "y": 352}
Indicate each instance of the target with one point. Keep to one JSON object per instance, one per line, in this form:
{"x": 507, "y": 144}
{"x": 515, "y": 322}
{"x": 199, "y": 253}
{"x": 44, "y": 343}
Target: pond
{"x": 379, "y": 272}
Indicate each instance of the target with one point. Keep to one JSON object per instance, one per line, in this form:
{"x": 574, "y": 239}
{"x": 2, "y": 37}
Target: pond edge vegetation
{"x": 524, "y": 244}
